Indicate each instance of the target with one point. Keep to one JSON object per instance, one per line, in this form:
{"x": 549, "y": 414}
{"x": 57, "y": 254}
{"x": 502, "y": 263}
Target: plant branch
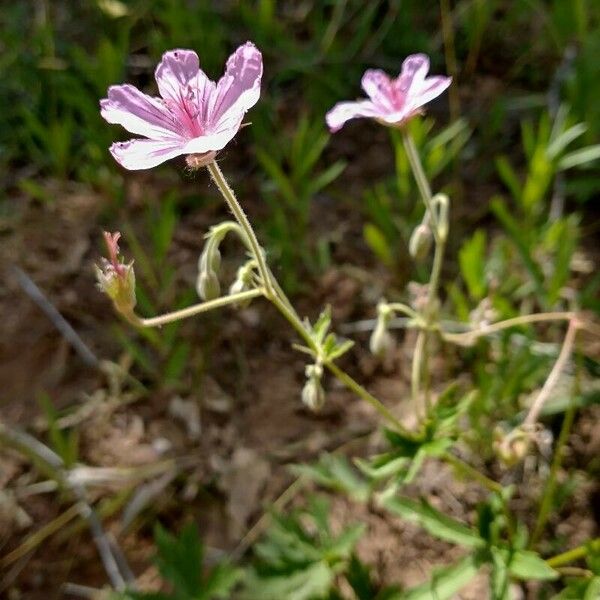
{"x": 196, "y": 309}
{"x": 242, "y": 219}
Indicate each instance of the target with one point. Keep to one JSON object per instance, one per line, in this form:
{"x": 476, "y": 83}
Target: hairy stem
{"x": 557, "y": 369}
{"x": 242, "y": 219}
{"x": 473, "y": 473}
{"x": 196, "y": 309}
{"x": 470, "y": 336}
{"x": 420, "y": 178}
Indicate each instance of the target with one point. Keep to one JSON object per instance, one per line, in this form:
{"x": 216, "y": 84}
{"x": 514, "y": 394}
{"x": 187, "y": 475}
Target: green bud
{"x": 118, "y": 286}
{"x": 511, "y": 448}
{"x": 208, "y": 286}
{"x": 115, "y": 278}
{"x": 210, "y": 259}
{"x": 313, "y": 394}
{"x": 420, "y": 242}
{"x": 381, "y": 342}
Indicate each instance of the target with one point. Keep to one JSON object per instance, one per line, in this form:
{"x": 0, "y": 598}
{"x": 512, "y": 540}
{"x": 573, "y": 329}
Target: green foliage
{"x": 63, "y": 440}
{"x": 403, "y": 459}
{"x": 294, "y": 182}
{"x": 393, "y": 208}
{"x": 300, "y": 557}
{"x": 180, "y": 562}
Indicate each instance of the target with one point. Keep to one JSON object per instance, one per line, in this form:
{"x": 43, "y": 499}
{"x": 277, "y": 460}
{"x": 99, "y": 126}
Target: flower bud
{"x": 420, "y": 242}
{"x": 208, "y": 286}
{"x": 511, "y": 448}
{"x": 115, "y": 278}
{"x": 210, "y": 259}
{"x": 382, "y": 342}
{"x": 313, "y": 394}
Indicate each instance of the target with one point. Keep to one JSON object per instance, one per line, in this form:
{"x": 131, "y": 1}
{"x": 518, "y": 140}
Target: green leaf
{"x": 378, "y": 243}
{"x": 525, "y": 564}
{"x": 579, "y": 158}
{"x": 340, "y": 348}
{"x": 179, "y": 559}
{"x": 333, "y": 471}
{"x": 435, "y": 522}
{"x": 308, "y": 583}
{"x": 522, "y": 243}
{"x": 564, "y": 139}
{"x": 472, "y": 262}
{"x": 509, "y": 177}
{"x": 445, "y": 582}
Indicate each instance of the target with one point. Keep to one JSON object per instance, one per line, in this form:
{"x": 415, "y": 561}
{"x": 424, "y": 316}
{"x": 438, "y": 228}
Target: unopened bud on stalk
{"x": 208, "y": 286}
{"x": 243, "y": 281}
{"x": 512, "y": 447}
{"x": 420, "y": 242}
{"x": 381, "y": 341}
{"x": 313, "y": 394}
{"x": 115, "y": 278}
{"x": 207, "y": 283}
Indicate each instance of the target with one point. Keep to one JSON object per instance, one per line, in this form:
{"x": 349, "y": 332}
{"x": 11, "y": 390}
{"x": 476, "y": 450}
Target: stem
{"x": 467, "y": 469}
{"x": 421, "y": 179}
{"x": 190, "y": 311}
{"x": 273, "y": 292}
{"x": 557, "y": 369}
{"x": 420, "y": 356}
{"x": 348, "y": 381}
{"x": 242, "y": 219}
{"x": 403, "y": 308}
{"x": 468, "y": 336}
{"x": 417, "y": 368}
{"x": 550, "y": 487}
{"x": 361, "y": 392}
{"x": 574, "y": 554}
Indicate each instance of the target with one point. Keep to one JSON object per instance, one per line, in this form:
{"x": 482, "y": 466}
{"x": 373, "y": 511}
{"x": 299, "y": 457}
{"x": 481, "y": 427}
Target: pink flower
{"x": 193, "y": 116}
{"x": 392, "y": 101}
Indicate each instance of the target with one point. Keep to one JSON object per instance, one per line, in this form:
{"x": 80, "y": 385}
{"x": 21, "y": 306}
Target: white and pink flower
{"x": 392, "y": 101}
{"x": 192, "y": 116}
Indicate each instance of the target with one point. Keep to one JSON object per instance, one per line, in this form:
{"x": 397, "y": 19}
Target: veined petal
{"x": 144, "y": 154}
{"x": 344, "y": 111}
{"x": 431, "y": 88}
{"x": 138, "y": 113}
{"x": 175, "y": 71}
{"x": 239, "y": 88}
{"x": 378, "y": 87}
{"x": 414, "y": 70}
{"x": 217, "y": 140}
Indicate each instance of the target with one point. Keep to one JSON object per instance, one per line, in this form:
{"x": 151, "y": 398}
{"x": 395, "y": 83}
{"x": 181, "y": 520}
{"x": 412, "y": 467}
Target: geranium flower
{"x": 392, "y": 101}
{"x": 193, "y": 116}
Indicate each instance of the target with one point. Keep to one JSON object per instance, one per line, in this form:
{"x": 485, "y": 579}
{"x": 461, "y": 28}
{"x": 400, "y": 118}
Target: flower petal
{"x": 138, "y": 113}
{"x": 378, "y": 87}
{"x": 414, "y": 70}
{"x": 144, "y": 154}
{"x": 217, "y": 140}
{"x": 431, "y": 88}
{"x": 344, "y": 111}
{"x": 239, "y": 88}
{"x": 175, "y": 71}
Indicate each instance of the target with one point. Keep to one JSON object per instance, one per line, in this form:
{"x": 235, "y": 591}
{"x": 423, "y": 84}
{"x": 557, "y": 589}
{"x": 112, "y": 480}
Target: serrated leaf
{"x": 525, "y": 564}
{"x": 435, "y": 522}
